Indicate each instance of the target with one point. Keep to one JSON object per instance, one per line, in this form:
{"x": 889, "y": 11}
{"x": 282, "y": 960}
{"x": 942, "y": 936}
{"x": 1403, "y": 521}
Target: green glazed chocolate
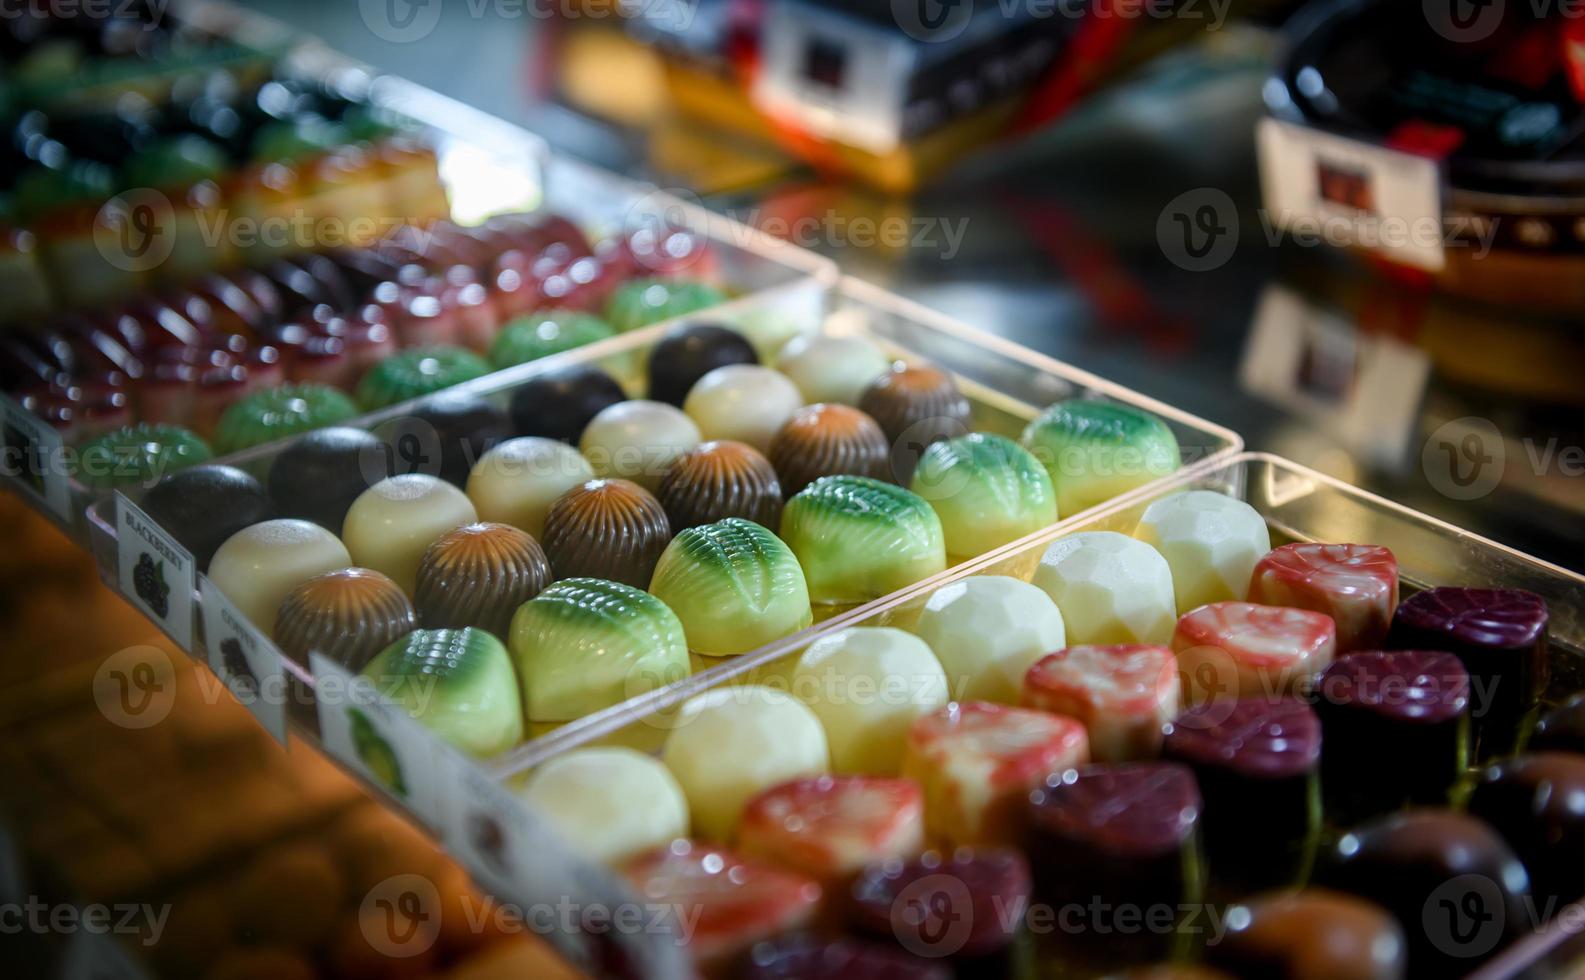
{"x": 528, "y": 338}
{"x": 734, "y": 585}
{"x": 585, "y": 644}
{"x": 987, "y": 490}
{"x": 1095, "y": 450}
{"x": 458, "y": 683}
{"x": 286, "y": 410}
{"x": 139, "y": 453}
{"x": 644, "y": 301}
{"x": 417, "y": 372}
{"x": 859, "y": 538}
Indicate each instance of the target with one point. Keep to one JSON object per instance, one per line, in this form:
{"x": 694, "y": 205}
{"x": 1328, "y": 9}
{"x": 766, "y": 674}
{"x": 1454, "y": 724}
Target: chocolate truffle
{"x": 858, "y": 539}
{"x": 445, "y": 435}
{"x": 259, "y": 565}
{"x": 831, "y": 827}
{"x": 1123, "y": 834}
{"x": 1123, "y": 694}
{"x": 806, "y": 956}
{"x": 516, "y": 482}
{"x": 1254, "y": 749}
{"x": 318, "y": 476}
{"x": 611, "y": 803}
{"x": 1500, "y": 635}
{"x": 641, "y": 302}
{"x": 828, "y": 440}
{"x": 744, "y": 402}
{"x": 637, "y": 440}
{"x": 962, "y": 906}
{"x": 734, "y": 901}
{"x": 987, "y": 631}
{"x": 560, "y": 404}
{"x": 1110, "y": 588}
{"x": 1355, "y": 584}
{"x": 1562, "y": 729}
{"x": 1537, "y": 803}
{"x": 734, "y": 585}
{"x": 610, "y": 529}
{"x": 477, "y": 576}
{"x": 585, "y": 644}
{"x": 1395, "y": 726}
{"x": 1211, "y": 542}
{"x": 1095, "y": 450}
{"x": 832, "y": 369}
{"x": 1457, "y": 891}
{"x": 348, "y": 615}
{"x": 688, "y": 353}
{"x": 537, "y": 335}
{"x": 717, "y": 480}
{"x": 203, "y": 506}
{"x": 987, "y": 490}
{"x": 1242, "y": 650}
{"x": 392, "y": 523}
{"x": 869, "y": 734}
{"x": 915, "y": 405}
{"x": 275, "y": 413}
{"x": 457, "y": 683}
{"x": 417, "y": 372}
{"x": 139, "y": 453}
{"x": 1311, "y": 935}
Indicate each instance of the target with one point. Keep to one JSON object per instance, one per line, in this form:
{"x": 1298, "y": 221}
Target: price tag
{"x": 1321, "y": 188}
{"x": 242, "y": 656}
{"x": 543, "y": 882}
{"x": 35, "y": 458}
{"x": 376, "y": 739}
{"x": 155, "y": 572}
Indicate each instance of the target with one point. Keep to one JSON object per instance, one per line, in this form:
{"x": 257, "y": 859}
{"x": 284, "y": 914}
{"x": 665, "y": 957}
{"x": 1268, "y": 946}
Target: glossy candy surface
{"x": 734, "y": 585}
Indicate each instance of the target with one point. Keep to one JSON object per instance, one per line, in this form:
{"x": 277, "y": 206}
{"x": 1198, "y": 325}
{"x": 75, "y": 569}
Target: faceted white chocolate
{"x": 832, "y": 369}
{"x": 867, "y": 685}
{"x": 1110, "y": 588}
{"x": 516, "y": 482}
{"x": 742, "y": 402}
{"x": 987, "y": 631}
{"x": 611, "y": 803}
{"x": 637, "y": 440}
{"x": 1211, "y": 542}
{"x": 392, "y": 522}
{"x": 729, "y": 744}
{"x": 259, "y": 565}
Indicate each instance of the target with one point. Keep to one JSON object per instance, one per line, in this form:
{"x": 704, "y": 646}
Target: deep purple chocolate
{"x": 805, "y": 957}
{"x": 1426, "y": 686}
{"x": 970, "y": 903}
{"x": 1254, "y": 738}
{"x": 1504, "y": 619}
{"x": 1136, "y": 809}
{"x": 1562, "y": 729}
{"x": 1537, "y": 803}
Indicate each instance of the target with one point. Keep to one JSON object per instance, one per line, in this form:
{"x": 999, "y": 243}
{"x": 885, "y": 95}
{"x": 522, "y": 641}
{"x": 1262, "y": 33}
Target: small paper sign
{"x": 155, "y": 572}
{"x": 242, "y": 656}
{"x": 376, "y": 739}
{"x": 35, "y": 458}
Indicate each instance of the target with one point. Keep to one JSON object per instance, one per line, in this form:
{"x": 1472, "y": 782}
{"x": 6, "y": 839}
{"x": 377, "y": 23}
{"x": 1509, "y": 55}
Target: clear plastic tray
{"x": 1299, "y": 504}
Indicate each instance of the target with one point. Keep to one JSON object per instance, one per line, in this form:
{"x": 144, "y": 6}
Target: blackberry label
{"x": 242, "y": 656}
{"x": 33, "y": 457}
{"x": 155, "y": 572}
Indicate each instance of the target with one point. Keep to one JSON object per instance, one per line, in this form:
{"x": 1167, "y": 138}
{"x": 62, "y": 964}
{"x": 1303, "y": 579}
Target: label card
{"x": 242, "y": 656}
{"x": 376, "y": 739}
{"x": 35, "y": 458}
{"x": 1321, "y": 188}
{"x": 155, "y": 573}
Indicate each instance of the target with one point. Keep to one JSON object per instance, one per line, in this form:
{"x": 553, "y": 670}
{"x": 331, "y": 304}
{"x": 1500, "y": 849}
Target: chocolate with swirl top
{"x": 717, "y": 480}
{"x": 828, "y": 440}
{"x": 606, "y": 529}
{"x": 916, "y": 405}
{"x": 348, "y": 615}
{"x": 477, "y": 576}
